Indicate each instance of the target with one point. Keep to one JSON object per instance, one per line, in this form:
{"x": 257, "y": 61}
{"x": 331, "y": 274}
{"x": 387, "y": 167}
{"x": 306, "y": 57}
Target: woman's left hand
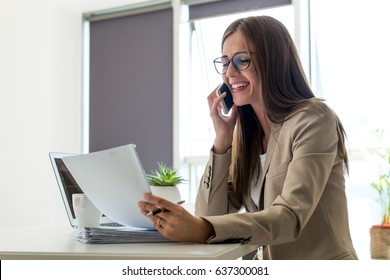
{"x": 175, "y": 222}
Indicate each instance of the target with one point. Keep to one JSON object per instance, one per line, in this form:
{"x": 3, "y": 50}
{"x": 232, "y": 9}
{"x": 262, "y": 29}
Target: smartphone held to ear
{"x": 227, "y": 101}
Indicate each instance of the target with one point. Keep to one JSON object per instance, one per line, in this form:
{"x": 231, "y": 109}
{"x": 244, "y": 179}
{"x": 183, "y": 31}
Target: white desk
{"x": 45, "y": 243}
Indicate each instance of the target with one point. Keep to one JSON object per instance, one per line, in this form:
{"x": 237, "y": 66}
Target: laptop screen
{"x": 68, "y": 186}
{"x": 68, "y": 182}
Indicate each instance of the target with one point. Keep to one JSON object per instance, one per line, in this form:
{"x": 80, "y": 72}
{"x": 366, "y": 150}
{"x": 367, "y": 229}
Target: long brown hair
{"x": 284, "y": 89}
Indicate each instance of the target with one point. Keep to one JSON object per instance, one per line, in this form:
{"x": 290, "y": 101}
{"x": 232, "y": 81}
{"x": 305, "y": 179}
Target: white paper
{"x": 114, "y": 181}
{"x": 119, "y": 235}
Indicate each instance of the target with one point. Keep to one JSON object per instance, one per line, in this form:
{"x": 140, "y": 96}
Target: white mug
{"x": 87, "y": 215}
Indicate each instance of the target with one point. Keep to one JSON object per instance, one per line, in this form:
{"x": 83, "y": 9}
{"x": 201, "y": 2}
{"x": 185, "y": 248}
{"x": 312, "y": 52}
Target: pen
{"x": 159, "y": 210}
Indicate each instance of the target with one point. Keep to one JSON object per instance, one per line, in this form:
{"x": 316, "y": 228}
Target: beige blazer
{"x": 303, "y": 206}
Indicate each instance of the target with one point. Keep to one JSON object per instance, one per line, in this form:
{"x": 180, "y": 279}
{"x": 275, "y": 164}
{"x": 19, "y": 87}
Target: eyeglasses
{"x": 240, "y": 61}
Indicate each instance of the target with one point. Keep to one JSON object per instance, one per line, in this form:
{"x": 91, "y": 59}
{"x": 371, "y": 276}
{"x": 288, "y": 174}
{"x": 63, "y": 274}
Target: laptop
{"x": 113, "y": 179}
{"x": 68, "y": 186}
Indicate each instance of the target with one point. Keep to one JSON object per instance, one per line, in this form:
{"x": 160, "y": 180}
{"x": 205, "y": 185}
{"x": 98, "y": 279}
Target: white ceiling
{"x": 93, "y": 5}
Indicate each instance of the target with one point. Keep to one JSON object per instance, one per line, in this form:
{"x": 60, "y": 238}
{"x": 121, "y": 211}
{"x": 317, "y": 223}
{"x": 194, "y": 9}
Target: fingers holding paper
{"x": 175, "y": 222}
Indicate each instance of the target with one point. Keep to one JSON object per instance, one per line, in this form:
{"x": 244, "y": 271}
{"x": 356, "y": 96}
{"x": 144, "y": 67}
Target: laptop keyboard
{"x": 113, "y": 224}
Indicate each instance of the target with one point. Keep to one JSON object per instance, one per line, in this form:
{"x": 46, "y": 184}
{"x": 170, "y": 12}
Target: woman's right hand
{"x": 223, "y": 125}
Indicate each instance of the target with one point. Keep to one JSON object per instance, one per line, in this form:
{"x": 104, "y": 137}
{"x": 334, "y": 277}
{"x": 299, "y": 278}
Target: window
{"x": 351, "y": 58}
{"x": 130, "y": 82}
{"x": 205, "y": 46}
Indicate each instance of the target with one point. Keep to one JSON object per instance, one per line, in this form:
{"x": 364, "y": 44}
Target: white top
{"x": 255, "y": 190}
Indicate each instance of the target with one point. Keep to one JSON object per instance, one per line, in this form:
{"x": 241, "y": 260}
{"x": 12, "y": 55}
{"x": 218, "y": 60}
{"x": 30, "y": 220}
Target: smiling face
{"x": 244, "y": 84}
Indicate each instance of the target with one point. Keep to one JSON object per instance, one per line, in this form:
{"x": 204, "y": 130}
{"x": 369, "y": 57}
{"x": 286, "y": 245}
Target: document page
{"x": 120, "y": 235}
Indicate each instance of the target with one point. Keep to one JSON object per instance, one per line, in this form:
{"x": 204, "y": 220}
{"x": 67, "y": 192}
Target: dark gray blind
{"x": 131, "y": 85}
{"x": 221, "y": 7}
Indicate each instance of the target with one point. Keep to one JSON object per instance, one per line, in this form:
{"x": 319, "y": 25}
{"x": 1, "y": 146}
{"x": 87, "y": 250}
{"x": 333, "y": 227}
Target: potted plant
{"x": 380, "y": 234}
{"x": 164, "y": 181}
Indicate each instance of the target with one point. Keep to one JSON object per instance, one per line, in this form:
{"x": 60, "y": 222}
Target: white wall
{"x": 40, "y": 102}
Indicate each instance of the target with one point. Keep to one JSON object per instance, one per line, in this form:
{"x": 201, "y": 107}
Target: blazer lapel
{"x": 273, "y": 139}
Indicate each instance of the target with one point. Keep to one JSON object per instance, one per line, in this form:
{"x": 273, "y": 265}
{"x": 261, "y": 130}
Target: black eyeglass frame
{"x": 231, "y": 60}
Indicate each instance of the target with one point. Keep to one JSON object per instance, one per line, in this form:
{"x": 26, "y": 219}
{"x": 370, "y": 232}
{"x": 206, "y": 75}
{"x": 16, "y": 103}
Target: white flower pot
{"x": 169, "y": 193}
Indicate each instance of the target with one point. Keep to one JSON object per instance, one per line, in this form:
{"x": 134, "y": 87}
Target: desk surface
{"x": 48, "y": 243}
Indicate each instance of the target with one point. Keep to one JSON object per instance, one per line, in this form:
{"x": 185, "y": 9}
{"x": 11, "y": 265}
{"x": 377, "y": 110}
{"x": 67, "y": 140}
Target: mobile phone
{"x": 227, "y": 101}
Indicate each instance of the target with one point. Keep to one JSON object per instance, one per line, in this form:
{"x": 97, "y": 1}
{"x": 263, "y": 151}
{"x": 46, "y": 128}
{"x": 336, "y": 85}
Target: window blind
{"x": 203, "y": 9}
{"x": 131, "y": 85}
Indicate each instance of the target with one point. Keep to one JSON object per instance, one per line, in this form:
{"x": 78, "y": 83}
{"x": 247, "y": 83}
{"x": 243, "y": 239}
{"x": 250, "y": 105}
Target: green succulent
{"x": 164, "y": 176}
{"x": 382, "y": 186}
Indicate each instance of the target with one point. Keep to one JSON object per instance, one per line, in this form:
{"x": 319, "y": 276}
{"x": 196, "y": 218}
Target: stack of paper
{"x": 119, "y": 235}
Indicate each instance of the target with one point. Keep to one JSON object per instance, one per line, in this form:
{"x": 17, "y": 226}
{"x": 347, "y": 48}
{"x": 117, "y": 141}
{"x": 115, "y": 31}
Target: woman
{"x": 280, "y": 155}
